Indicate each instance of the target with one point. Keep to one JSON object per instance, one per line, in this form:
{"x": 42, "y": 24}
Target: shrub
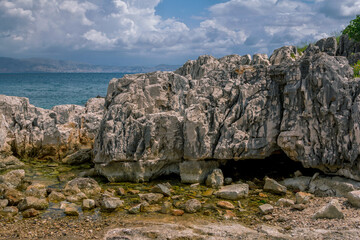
{"x": 353, "y": 29}
{"x": 356, "y": 68}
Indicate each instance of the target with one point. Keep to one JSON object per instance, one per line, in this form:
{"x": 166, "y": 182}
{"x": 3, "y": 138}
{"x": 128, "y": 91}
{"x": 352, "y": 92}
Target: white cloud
{"x": 133, "y": 27}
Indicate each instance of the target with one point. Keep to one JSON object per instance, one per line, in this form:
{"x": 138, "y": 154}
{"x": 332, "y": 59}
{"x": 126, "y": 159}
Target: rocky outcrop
{"x": 349, "y": 48}
{"x": 213, "y": 110}
{"x": 28, "y": 131}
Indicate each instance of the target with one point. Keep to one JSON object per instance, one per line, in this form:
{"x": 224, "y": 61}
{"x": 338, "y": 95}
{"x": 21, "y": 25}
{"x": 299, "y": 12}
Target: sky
{"x": 151, "y": 32}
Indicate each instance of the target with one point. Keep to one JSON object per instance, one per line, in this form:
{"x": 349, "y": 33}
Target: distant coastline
{"x": 40, "y": 65}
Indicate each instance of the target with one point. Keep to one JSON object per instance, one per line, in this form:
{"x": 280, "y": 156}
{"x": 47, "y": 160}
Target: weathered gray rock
{"x": 55, "y": 196}
{"x": 284, "y": 202}
{"x": 13, "y": 196}
{"x": 30, "y": 131}
{"x": 79, "y": 157}
{"x": 233, "y": 192}
{"x": 161, "y": 188}
{"x": 88, "y": 186}
{"x": 298, "y": 183}
{"x": 331, "y": 210}
{"x": 192, "y": 206}
{"x": 348, "y": 48}
{"x": 9, "y": 162}
{"x": 166, "y": 208}
{"x": 9, "y": 211}
{"x": 151, "y": 197}
{"x": 36, "y": 190}
{"x": 13, "y": 178}
{"x": 284, "y": 55}
{"x": 266, "y": 208}
{"x": 72, "y": 210}
{"x": 333, "y": 186}
{"x": 196, "y": 171}
{"x": 88, "y": 204}
{"x": 33, "y": 202}
{"x": 302, "y": 197}
{"x": 327, "y": 45}
{"x": 260, "y": 59}
{"x": 354, "y": 198}
{"x": 273, "y": 186}
{"x": 78, "y": 197}
{"x": 215, "y": 179}
{"x": 110, "y": 204}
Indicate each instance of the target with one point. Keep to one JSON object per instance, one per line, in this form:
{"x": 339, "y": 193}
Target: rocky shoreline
{"x": 156, "y": 158}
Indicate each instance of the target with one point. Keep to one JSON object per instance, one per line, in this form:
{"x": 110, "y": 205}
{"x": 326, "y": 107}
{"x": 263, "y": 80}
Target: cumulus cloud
{"x": 133, "y": 27}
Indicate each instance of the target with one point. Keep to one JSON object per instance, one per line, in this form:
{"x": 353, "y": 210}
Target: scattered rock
{"x": 166, "y": 208}
{"x": 302, "y": 197}
{"x": 86, "y": 185}
{"x": 298, "y": 183}
{"x": 195, "y": 185}
{"x": 14, "y": 178}
{"x": 36, "y": 190}
{"x": 192, "y": 206}
{"x": 71, "y": 210}
{"x": 76, "y": 197}
{"x": 284, "y": 55}
{"x": 266, "y": 208}
{"x": 3, "y": 203}
{"x": 229, "y": 215}
{"x": 274, "y": 187}
{"x": 120, "y": 191}
{"x": 177, "y": 212}
{"x": 14, "y": 196}
{"x": 273, "y": 232}
{"x": 33, "y": 202}
{"x": 133, "y": 192}
{"x": 233, "y": 192}
{"x": 151, "y": 197}
{"x": 63, "y": 177}
{"x": 331, "y": 210}
{"x": 284, "y": 202}
{"x": 56, "y": 196}
{"x": 10, "y": 162}
{"x": 298, "y": 207}
{"x": 88, "y": 204}
{"x": 9, "y": 211}
{"x": 228, "y": 181}
{"x": 135, "y": 209}
{"x": 29, "y": 213}
{"x": 225, "y": 205}
{"x": 161, "y": 188}
{"x": 152, "y": 208}
{"x": 110, "y": 204}
{"x": 215, "y": 179}
{"x": 354, "y": 198}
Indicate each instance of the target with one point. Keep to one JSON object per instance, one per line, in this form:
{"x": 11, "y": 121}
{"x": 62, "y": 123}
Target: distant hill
{"x": 36, "y": 65}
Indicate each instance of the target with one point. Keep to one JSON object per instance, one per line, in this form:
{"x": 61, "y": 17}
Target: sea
{"x": 46, "y": 90}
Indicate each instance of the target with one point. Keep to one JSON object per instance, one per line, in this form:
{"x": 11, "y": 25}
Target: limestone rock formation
{"x": 28, "y": 131}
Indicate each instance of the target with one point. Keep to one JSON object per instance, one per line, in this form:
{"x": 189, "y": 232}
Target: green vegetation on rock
{"x": 356, "y": 68}
{"x": 353, "y": 29}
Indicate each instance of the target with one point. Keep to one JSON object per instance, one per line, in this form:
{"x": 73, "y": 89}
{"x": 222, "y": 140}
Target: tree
{"x": 353, "y": 29}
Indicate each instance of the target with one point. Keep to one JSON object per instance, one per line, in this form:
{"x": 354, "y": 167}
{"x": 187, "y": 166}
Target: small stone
{"x": 9, "y": 211}
{"x": 120, "y": 191}
{"x": 298, "y": 207}
{"x": 283, "y": 202}
{"x": 3, "y": 203}
{"x": 225, "y": 205}
{"x": 135, "y": 209}
{"x": 133, "y": 192}
{"x": 76, "y": 197}
{"x": 229, "y": 215}
{"x": 110, "y": 203}
{"x": 177, "y": 212}
{"x": 263, "y": 195}
{"x": 215, "y": 179}
{"x": 166, "y": 208}
{"x": 302, "y": 197}
{"x": 88, "y": 204}
{"x": 195, "y": 185}
{"x": 297, "y": 174}
{"x": 208, "y": 192}
{"x": 266, "y": 208}
{"x": 162, "y": 188}
{"x": 151, "y": 197}
{"x": 228, "y": 181}
{"x": 71, "y": 210}
{"x": 354, "y": 198}
{"x": 252, "y": 185}
{"x": 29, "y": 213}
{"x": 36, "y": 190}
{"x": 13, "y": 196}
{"x": 192, "y": 206}
{"x": 233, "y": 192}
{"x": 273, "y": 186}
{"x": 331, "y": 210}
{"x": 268, "y": 218}
{"x": 55, "y": 196}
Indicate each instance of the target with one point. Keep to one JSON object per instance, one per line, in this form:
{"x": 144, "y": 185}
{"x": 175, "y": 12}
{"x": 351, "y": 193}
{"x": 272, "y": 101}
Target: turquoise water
{"x": 49, "y": 89}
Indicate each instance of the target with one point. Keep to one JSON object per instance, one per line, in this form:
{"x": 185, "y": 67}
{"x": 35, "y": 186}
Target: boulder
{"x": 273, "y": 186}
{"x": 79, "y": 157}
{"x": 215, "y": 179}
{"x": 354, "y": 198}
{"x": 284, "y": 55}
{"x": 109, "y": 204}
{"x": 3, "y": 203}
{"x": 151, "y": 197}
{"x": 283, "y": 202}
{"x": 196, "y": 171}
{"x": 14, "y": 178}
{"x": 29, "y": 213}
{"x": 327, "y": 45}
{"x": 161, "y": 188}
{"x": 9, "y": 162}
{"x": 36, "y": 190}
{"x": 13, "y": 196}
{"x": 55, "y": 196}
{"x": 33, "y": 202}
{"x": 192, "y": 206}
{"x": 9, "y": 211}
{"x": 331, "y": 210}
{"x": 302, "y": 197}
{"x": 88, "y": 186}
{"x": 233, "y": 192}
{"x": 88, "y": 204}
{"x": 78, "y": 197}
{"x": 71, "y": 210}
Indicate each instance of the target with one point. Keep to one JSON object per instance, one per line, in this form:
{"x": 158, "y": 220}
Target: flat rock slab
{"x": 233, "y": 192}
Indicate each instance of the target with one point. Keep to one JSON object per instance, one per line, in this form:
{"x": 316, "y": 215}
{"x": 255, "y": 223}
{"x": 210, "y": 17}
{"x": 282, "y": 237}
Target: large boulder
{"x": 28, "y": 131}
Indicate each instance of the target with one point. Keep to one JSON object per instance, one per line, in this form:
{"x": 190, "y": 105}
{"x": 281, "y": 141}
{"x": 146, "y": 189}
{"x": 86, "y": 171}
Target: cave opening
{"x": 278, "y": 166}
